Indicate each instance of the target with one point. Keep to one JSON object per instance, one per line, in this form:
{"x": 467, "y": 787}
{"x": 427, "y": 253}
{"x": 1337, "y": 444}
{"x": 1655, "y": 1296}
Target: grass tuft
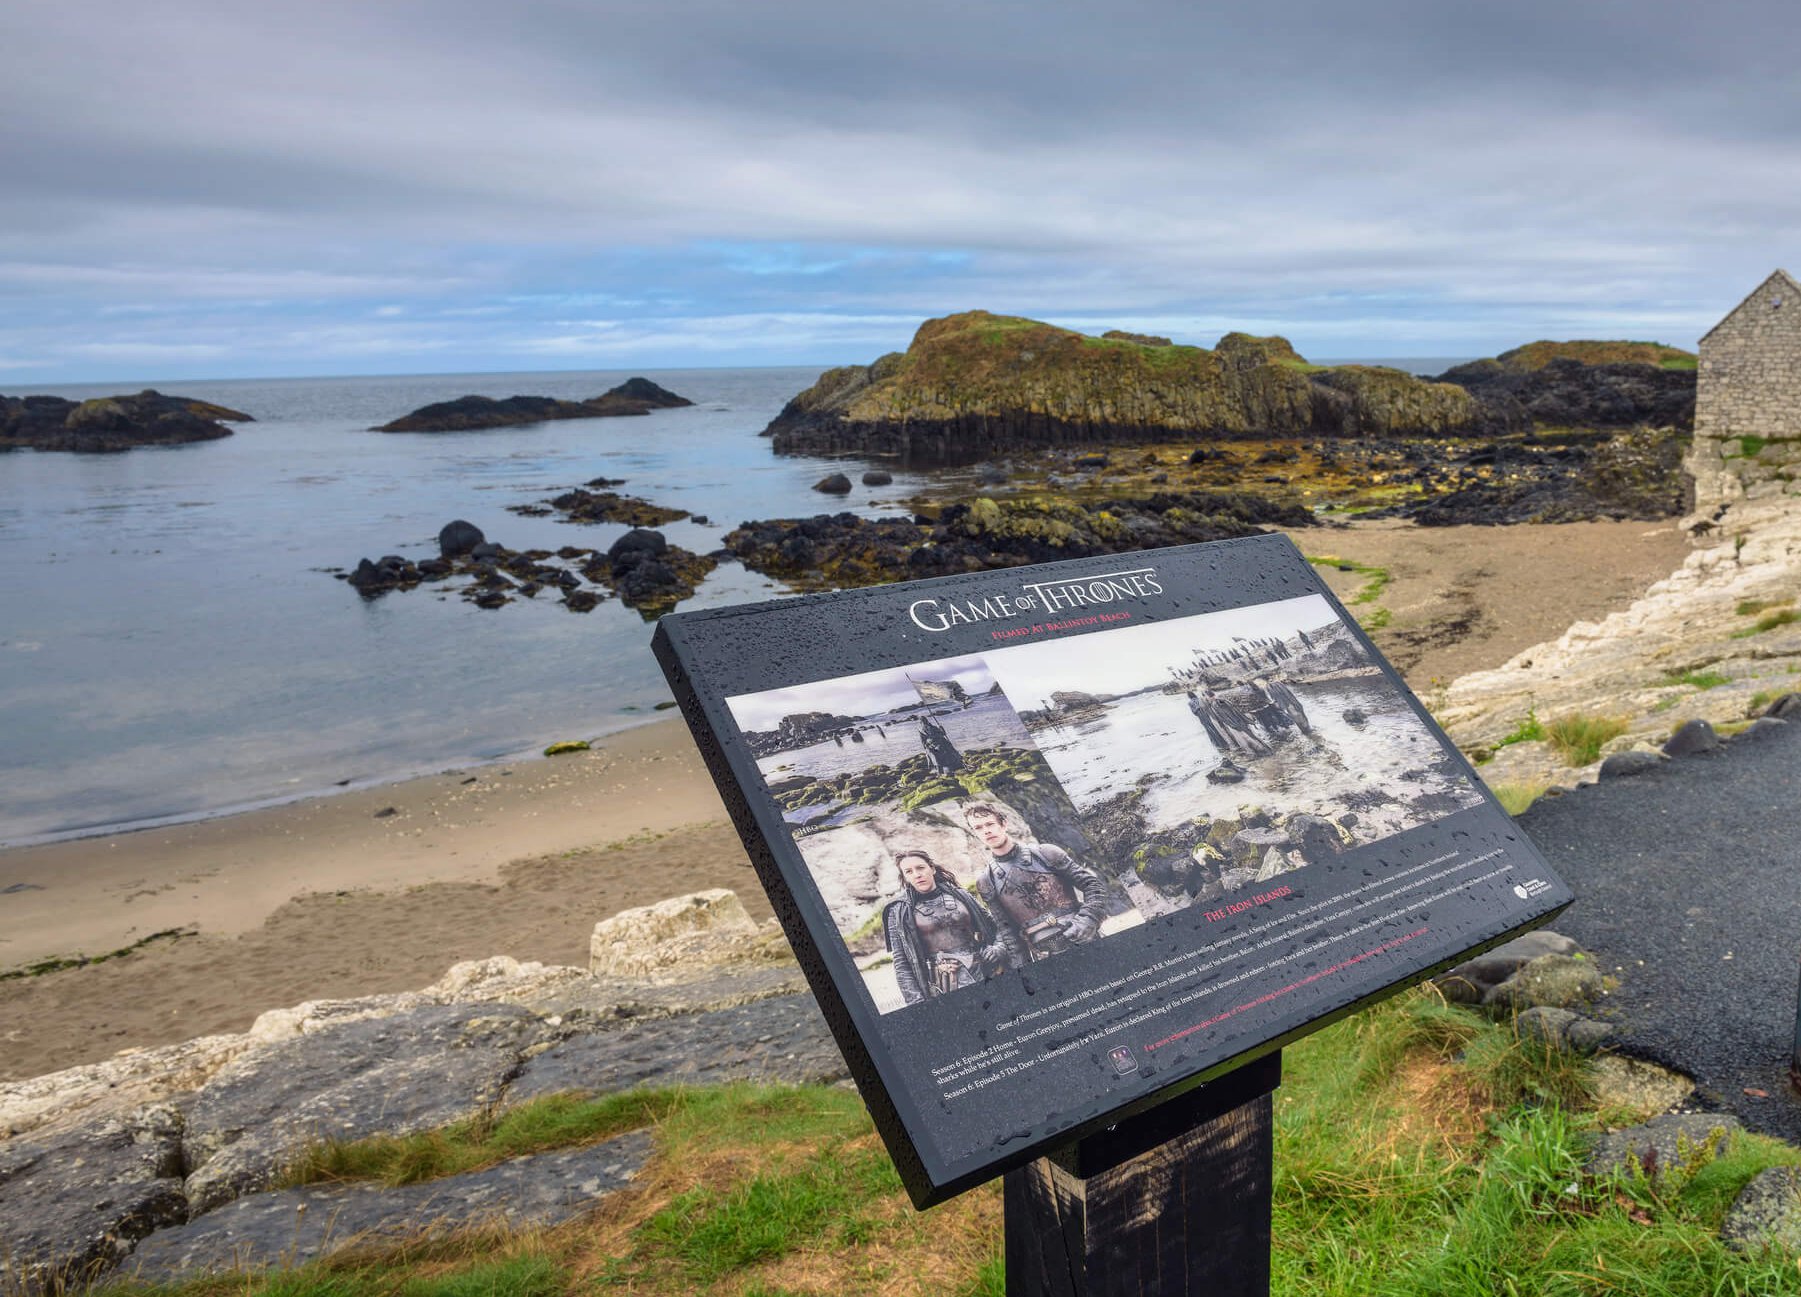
{"x": 1516, "y": 797}
{"x": 1579, "y": 736}
{"x": 1699, "y": 679}
{"x": 1770, "y": 621}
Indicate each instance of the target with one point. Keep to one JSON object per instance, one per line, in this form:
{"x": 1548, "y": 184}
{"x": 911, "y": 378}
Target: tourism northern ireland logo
{"x": 1530, "y": 888}
{"x": 1068, "y": 595}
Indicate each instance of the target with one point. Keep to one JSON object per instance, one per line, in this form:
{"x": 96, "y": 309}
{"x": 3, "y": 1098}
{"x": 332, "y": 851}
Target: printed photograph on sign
{"x": 1207, "y": 756}
{"x": 938, "y": 837}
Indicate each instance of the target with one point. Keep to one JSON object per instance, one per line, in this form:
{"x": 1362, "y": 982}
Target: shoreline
{"x": 326, "y": 897}
{"x": 355, "y": 784}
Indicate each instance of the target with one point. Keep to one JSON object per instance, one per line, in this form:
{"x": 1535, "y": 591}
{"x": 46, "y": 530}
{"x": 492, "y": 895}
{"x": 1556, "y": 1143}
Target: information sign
{"x": 1056, "y": 843}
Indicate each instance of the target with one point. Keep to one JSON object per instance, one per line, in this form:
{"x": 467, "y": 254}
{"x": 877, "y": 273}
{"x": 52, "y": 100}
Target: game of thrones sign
{"x": 1057, "y": 843}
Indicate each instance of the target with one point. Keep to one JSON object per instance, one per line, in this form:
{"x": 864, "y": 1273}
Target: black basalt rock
{"x": 1695, "y": 737}
{"x": 458, "y": 537}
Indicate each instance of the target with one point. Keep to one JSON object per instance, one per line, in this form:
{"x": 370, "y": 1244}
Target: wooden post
{"x": 1172, "y": 1202}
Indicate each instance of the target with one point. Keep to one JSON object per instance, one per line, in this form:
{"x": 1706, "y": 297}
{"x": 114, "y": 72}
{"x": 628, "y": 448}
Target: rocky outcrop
{"x": 584, "y": 504}
{"x": 111, "y": 423}
{"x": 1566, "y": 392}
{"x": 163, "y": 1164}
{"x": 1635, "y": 474}
{"x": 844, "y": 550}
{"x": 632, "y": 397}
{"x": 648, "y": 573}
{"x": 974, "y": 384}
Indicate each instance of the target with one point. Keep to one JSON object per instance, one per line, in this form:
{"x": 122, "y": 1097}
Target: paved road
{"x": 1688, "y": 878}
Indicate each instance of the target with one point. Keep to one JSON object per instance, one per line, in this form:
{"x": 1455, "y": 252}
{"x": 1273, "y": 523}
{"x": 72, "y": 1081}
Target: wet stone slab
{"x": 782, "y": 1040}
{"x": 294, "y": 1226}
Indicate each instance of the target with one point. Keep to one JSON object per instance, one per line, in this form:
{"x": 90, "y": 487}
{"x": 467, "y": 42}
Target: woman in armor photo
{"x": 941, "y": 936}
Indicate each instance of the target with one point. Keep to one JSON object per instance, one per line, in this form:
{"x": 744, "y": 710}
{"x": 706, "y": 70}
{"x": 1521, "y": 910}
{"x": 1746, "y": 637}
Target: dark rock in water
{"x": 702, "y": 519}
{"x": 585, "y": 506}
{"x": 580, "y": 600}
{"x": 637, "y": 542}
{"x": 458, "y": 538}
{"x": 1226, "y": 772}
{"x": 111, "y": 423}
{"x": 877, "y": 477}
{"x": 632, "y": 397}
{"x": 487, "y": 549}
{"x": 1692, "y": 739}
{"x": 490, "y": 599}
{"x": 390, "y": 572}
{"x": 975, "y": 383}
{"x": 845, "y": 550}
{"x": 602, "y": 483}
{"x": 642, "y": 389}
{"x": 1623, "y": 764}
{"x": 834, "y": 484}
{"x": 1090, "y": 461}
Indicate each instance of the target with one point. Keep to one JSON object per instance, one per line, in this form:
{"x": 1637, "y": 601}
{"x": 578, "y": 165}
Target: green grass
{"x": 1751, "y": 607}
{"x": 1420, "y": 1150}
{"x": 1679, "y": 362}
{"x": 1770, "y": 621}
{"x": 1527, "y": 731}
{"x": 1516, "y": 797}
{"x": 1699, "y": 679}
{"x": 1376, "y": 620}
{"x": 1579, "y": 736}
{"x": 1749, "y": 446}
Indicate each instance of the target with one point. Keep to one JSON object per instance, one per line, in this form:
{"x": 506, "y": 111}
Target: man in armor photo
{"x": 1043, "y": 900}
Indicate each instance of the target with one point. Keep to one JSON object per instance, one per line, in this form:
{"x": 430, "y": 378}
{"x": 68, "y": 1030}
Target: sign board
{"x": 1056, "y": 843}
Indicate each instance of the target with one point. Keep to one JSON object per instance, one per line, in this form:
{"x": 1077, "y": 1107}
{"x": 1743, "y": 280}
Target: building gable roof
{"x": 1778, "y": 276}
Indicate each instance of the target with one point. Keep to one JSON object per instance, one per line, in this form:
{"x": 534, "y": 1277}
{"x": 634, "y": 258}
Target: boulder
{"x": 1637, "y": 1085}
{"x": 72, "y": 1204}
{"x": 1633, "y": 762}
{"x": 1785, "y": 707}
{"x": 1471, "y": 980}
{"x": 1561, "y": 1029}
{"x": 635, "y": 545}
{"x": 698, "y": 930}
{"x": 1660, "y": 1145}
{"x": 1766, "y": 1213}
{"x": 833, "y": 484}
{"x": 457, "y": 538}
{"x": 1557, "y": 981}
{"x": 877, "y": 477}
{"x": 1692, "y": 739}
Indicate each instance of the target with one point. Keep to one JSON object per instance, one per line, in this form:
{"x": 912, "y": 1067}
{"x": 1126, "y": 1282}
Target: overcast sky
{"x": 870, "y": 694}
{"x": 199, "y": 189}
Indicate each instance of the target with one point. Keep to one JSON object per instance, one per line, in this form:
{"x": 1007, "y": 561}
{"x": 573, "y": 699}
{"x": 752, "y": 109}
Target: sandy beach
{"x": 338, "y": 896}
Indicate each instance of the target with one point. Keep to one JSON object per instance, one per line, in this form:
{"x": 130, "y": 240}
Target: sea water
{"x": 172, "y": 642}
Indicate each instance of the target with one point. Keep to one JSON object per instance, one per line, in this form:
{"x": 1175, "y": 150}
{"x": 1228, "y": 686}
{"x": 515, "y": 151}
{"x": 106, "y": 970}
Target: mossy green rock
{"x": 1555, "y": 981}
{"x": 976, "y": 383}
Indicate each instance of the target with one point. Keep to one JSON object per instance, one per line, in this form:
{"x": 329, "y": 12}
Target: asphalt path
{"x": 1688, "y": 887}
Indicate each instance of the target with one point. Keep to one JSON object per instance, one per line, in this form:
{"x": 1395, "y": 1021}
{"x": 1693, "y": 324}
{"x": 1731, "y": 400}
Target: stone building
{"x": 1747, "y": 443}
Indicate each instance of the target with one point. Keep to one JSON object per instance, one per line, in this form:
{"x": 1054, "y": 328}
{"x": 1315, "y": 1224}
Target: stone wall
{"x": 1747, "y": 443}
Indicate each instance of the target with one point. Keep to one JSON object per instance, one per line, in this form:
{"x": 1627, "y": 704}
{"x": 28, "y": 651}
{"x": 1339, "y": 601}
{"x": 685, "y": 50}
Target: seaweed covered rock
{"x": 648, "y": 573}
{"x": 111, "y": 423}
{"x": 844, "y": 550}
{"x": 1637, "y": 474}
{"x": 973, "y": 384}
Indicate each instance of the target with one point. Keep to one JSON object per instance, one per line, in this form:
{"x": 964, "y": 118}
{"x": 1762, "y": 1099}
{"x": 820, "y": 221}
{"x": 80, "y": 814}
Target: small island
{"x": 467, "y": 413}
{"x": 111, "y": 423}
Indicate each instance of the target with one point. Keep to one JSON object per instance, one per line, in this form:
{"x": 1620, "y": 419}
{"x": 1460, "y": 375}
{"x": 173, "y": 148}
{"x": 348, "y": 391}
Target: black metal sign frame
{"x": 1280, "y": 832}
